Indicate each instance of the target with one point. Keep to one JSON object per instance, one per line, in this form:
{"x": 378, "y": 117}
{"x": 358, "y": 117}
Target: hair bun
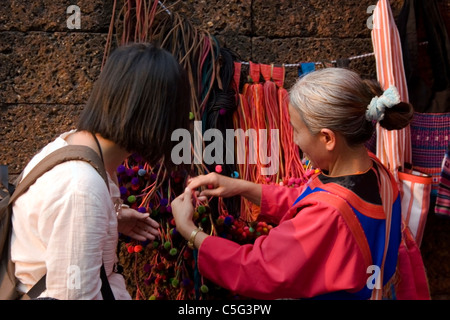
{"x": 378, "y": 105}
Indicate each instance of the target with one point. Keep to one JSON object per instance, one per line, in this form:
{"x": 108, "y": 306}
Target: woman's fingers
{"x": 203, "y": 181}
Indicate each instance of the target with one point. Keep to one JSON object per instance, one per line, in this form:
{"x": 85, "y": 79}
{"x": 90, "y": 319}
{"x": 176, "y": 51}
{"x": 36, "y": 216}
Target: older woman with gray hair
{"x": 337, "y": 236}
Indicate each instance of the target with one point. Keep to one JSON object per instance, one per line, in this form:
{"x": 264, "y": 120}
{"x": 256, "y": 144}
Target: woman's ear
{"x": 328, "y": 138}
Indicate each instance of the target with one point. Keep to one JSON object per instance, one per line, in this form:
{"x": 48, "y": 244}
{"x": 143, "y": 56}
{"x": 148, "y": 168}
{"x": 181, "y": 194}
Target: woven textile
{"x": 430, "y": 134}
{"x": 443, "y": 195}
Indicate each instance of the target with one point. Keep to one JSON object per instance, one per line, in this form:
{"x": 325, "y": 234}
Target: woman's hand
{"x": 221, "y": 186}
{"x": 183, "y": 213}
{"x": 137, "y": 225}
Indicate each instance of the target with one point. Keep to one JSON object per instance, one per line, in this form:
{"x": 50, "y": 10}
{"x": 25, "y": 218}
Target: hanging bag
{"x": 415, "y": 189}
{"x": 426, "y": 55}
{"x": 412, "y": 282}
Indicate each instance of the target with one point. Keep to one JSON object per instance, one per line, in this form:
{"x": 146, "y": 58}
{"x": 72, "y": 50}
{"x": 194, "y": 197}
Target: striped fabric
{"x": 443, "y": 195}
{"x": 393, "y": 147}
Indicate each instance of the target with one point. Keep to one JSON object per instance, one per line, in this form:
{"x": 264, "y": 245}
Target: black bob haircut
{"x": 142, "y": 95}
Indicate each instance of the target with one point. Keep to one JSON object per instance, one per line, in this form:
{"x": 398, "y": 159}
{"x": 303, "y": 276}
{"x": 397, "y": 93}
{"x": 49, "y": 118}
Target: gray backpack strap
{"x": 4, "y": 175}
{"x": 4, "y": 181}
{"x": 64, "y": 154}
{"x": 68, "y": 153}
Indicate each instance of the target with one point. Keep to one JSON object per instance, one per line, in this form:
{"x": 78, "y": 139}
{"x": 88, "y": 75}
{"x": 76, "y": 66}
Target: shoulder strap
{"x": 67, "y": 153}
{"x": 4, "y": 181}
{"x": 64, "y": 154}
{"x": 388, "y": 193}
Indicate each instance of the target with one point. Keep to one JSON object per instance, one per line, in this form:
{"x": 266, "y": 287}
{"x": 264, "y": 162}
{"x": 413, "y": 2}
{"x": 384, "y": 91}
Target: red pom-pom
{"x": 187, "y": 254}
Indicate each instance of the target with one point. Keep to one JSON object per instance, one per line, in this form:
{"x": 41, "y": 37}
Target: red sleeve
{"x": 277, "y": 200}
{"x": 311, "y": 254}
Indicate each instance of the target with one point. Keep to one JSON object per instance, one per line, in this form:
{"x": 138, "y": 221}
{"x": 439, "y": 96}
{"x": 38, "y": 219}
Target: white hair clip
{"x": 375, "y": 110}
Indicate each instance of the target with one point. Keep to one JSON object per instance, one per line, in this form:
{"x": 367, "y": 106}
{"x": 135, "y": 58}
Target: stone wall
{"x": 47, "y": 70}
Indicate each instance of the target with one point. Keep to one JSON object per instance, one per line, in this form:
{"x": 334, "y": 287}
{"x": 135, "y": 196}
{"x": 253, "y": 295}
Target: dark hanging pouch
{"x": 426, "y": 55}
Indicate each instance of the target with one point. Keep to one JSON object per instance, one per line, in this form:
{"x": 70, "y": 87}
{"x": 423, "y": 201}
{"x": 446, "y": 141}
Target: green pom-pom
{"x": 173, "y": 251}
{"x": 167, "y": 245}
{"x": 175, "y": 283}
{"x": 154, "y": 213}
{"x": 155, "y": 244}
{"x": 191, "y": 116}
{"x": 201, "y": 209}
{"x": 131, "y": 199}
{"x": 204, "y": 289}
{"x": 152, "y": 297}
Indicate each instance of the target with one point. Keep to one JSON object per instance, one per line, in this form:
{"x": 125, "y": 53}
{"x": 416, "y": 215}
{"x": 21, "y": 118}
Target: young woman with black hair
{"x": 66, "y": 225}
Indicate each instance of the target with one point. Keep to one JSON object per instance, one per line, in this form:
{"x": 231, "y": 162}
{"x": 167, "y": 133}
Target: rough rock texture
{"x": 42, "y": 67}
{"x": 22, "y": 123}
{"x": 47, "y": 70}
{"x": 51, "y": 16}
